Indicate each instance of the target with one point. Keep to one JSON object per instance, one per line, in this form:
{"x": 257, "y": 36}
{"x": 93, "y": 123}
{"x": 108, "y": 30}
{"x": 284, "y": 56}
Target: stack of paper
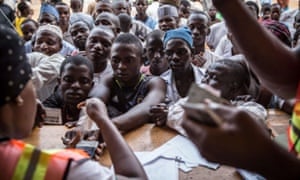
{"x": 179, "y": 152}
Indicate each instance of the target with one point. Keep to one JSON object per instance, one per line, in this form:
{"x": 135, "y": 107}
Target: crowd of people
{"x": 122, "y": 64}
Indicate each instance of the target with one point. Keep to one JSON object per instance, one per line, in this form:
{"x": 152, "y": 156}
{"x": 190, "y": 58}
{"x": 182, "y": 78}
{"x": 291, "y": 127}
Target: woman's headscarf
{"x": 15, "y": 70}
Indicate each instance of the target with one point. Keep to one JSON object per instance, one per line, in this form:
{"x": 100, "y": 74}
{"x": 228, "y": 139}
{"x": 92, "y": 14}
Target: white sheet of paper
{"x": 189, "y": 153}
{"x": 180, "y": 151}
{"x": 247, "y": 175}
{"x": 159, "y": 168}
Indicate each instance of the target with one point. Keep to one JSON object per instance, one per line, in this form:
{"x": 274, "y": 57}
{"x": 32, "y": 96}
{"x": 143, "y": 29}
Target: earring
{"x": 19, "y": 100}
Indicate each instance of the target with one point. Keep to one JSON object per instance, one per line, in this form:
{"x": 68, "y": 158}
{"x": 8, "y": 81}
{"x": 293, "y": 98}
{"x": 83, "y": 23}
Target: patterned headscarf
{"x": 15, "y": 70}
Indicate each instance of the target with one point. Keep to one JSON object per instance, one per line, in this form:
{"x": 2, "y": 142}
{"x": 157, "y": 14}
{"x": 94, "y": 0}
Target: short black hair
{"x": 251, "y": 3}
{"x": 104, "y": 29}
{"x": 77, "y": 60}
{"x": 239, "y": 70}
{"x": 30, "y": 20}
{"x": 62, "y": 4}
{"x": 115, "y": 19}
{"x": 128, "y": 38}
{"x": 82, "y": 2}
{"x": 115, "y": 3}
{"x": 22, "y": 6}
{"x": 54, "y": 2}
{"x": 155, "y": 34}
{"x": 275, "y": 4}
{"x": 185, "y": 3}
{"x": 265, "y": 7}
{"x": 295, "y": 37}
{"x": 125, "y": 22}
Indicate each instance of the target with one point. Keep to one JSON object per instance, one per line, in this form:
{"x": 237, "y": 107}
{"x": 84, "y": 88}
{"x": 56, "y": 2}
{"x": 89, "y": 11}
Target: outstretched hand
{"x": 95, "y": 109}
{"x": 72, "y": 137}
{"x": 240, "y": 139}
{"x": 199, "y": 60}
{"x": 159, "y": 114}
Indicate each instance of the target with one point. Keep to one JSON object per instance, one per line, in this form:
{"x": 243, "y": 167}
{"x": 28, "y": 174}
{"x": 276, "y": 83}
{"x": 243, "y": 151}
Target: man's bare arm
{"x": 139, "y": 114}
{"x": 276, "y": 65}
{"x": 102, "y": 90}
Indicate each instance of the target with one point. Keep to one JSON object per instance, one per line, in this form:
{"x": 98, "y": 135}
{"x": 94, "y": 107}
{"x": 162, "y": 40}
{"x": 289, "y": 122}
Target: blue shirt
{"x": 151, "y": 23}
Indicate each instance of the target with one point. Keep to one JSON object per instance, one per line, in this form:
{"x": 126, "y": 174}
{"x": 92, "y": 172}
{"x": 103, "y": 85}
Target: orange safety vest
{"x": 23, "y": 161}
{"x": 294, "y": 127}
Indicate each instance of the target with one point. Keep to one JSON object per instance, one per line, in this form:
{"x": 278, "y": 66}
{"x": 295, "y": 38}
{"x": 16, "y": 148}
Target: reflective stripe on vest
{"x": 28, "y": 162}
{"x": 32, "y": 164}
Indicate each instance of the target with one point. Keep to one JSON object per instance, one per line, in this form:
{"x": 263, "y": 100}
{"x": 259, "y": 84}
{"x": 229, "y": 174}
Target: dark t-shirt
{"x": 124, "y": 98}
{"x": 68, "y": 112}
{"x": 55, "y": 100}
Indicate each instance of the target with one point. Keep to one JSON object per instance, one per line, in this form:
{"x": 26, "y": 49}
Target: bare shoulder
{"x": 107, "y": 79}
{"x": 157, "y": 81}
{"x": 102, "y": 89}
{"x": 297, "y": 52}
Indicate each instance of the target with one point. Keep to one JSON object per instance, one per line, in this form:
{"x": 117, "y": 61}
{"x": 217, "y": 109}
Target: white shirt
{"x": 176, "y": 113}
{"x": 210, "y": 57}
{"x": 152, "y": 10}
{"x": 224, "y": 48}
{"x": 45, "y": 71}
{"x": 288, "y": 17}
{"x": 172, "y": 92}
{"x": 89, "y": 170}
{"x": 217, "y": 31}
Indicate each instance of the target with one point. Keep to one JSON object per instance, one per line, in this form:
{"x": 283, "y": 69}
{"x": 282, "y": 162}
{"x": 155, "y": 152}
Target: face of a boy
{"x": 64, "y": 14}
{"x": 28, "y": 30}
{"x": 107, "y": 20}
{"x": 102, "y": 7}
{"x": 167, "y": 23}
{"x": 141, "y": 6}
{"x": 47, "y": 19}
{"x": 76, "y": 83}
{"x": 79, "y": 32}
{"x": 178, "y": 54}
{"x": 76, "y": 5}
{"x": 275, "y": 12}
{"x": 184, "y": 11}
{"x": 98, "y": 46}
{"x": 155, "y": 54}
{"x": 198, "y": 24}
{"x": 120, "y": 7}
{"x": 126, "y": 62}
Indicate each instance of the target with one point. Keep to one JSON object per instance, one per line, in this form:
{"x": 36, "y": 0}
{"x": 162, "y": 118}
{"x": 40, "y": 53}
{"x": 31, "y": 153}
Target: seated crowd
{"x": 120, "y": 65}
